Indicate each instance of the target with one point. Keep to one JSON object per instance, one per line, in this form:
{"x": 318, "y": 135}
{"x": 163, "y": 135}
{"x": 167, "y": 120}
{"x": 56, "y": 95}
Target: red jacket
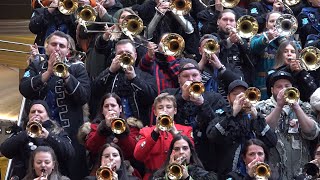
{"x": 154, "y": 153}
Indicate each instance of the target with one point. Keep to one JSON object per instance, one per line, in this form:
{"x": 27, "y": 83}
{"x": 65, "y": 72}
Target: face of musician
{"x": 110, "y": 104}
{"x": 254, "y": 152}
{"x": 234, "y": 93}
{"x": 43, "y": 161}
{"x": 279, "y": 85}
{"x": 227, "y": 20}
{"x": 111, "y": 155}
{"x": 38, "y": 113}
{"x": 128, "y": 48}
{"x": 289, "y": 53}
{"x": 192, "y": 75}
{"x": 181, "y": 149}
{"x": 58, "y": 44}
{"x": 272, "y": 20}
{"x": 123, "y": 15}
{"x": 165, "y": 106}
{"x": 315, "y": 3}
{"x": 317, "y": 153}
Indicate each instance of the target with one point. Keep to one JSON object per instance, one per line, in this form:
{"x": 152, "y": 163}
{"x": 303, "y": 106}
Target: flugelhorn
{"x": 174, "y": 171}
{"x": 253, "y": 95}
{"x": 164, "y": 122}
{"x": 126, "y": 60}
{"x": 86, "y": 13}
{"x": 211, "y": 46}
{"x": 180, "y": 7}
{"x": 262, "y": 171}
{"x": 172, "y": 44}
{"x": 196, "y": 89}
{"x": 291, "y": 95}
{"x": 66, "y": 7}
{"x": 34, "y": 129}
{"x": 286, "y": 25}
{"x": 118, "y": 125}
{"x": 310, "y": 58}
{"x": 60, "y": 69}
{"x": 229, "y": 3}
{"x": 104, "y": 173}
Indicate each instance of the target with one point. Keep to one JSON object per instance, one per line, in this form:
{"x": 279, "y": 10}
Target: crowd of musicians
{"x": 180, "y": 89}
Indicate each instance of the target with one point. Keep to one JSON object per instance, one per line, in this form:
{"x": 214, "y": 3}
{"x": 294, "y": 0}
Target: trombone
{"x": 66, "y": 7}
{"x": 118, "y": 125}
{"x": 262, "y": 171}
{"x": 17, "y": 43}
{"x": 291, "y": 95}
{"x": 86, "y": 13}
{"x": 253, "y": 95}
{"x": 172, "y": 44}
{"x": 164, "y": 122}
{"x": 196, "y": 89}
{"x": 34, "y": 129}
{"x": 104, "y": 173}
{"x": 286, "y": 25}
{"x": 310, "y": 58}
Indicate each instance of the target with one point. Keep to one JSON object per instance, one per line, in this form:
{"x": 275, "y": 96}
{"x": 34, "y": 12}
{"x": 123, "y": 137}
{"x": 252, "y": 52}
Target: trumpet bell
{"x": 180, "y": 7}
{"x": 172, "y": 44}
{"x": 310, "y": 57}
{"x": 132, "y": 25}
{"x": 247, "y": 26}
{"x": 291, "y": 95}
{"x": 286, "y": 25}
{"x": 262, "y": 171}
{"x": 86, "y": 13}
{"x": 229, "y": 3}
{"x": 174, "y": 171}
{"x": 68, "y": 7}
{"x": 196, "y": 89}
{"x": 126, "y": 60}
{"x": 291, "y": 2}
{"x": 164, "y": 122}
{"x": 34, "y": 129}
{"x": 118, "y": 126}
{"x": 60, "y": 69}
{"x": 104, "y": 173}
{"x": 253, "y": 94}
{"x": 211, "y": 46}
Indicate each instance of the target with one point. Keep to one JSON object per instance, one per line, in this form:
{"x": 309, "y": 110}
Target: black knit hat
{"x": 43, "y": 103}
{"x": 237, "y": 83}
{"x": 275, "y": 76}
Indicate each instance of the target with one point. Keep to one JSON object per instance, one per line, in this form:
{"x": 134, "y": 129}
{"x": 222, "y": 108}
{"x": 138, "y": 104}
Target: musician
{"x": 136, "y": 88}
{"x": 153, "y": 145}
{"x": 229, "y": 131}
{"x": 65, "y": 95}
{"x": 254, "y": 151}
{"x": 94, "y": 135}
{"x": 182, "y": 152}
{"x": 293, "y": 123}
{"x": 196, "y": 111}
{"x": 43, "y": 165}
{"x": 286, "y": 59}
{"x": 23, "y": 142}
{"x": 111, "y": 157}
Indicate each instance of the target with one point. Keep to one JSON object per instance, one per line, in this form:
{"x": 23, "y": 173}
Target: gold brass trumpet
{"x": 60, "y": 69}
{"x": 180, "y": 7}
{"x": 175, "y": 171}
{"x": 291, "y": 95}
{"x": 310, "y": 58}
{"x": 104, "y": 173}
{"x": 132, "y": 25}
{"x": 164, "y": 122}
{"x": 262, "y": 171}
{"x": 229, "y": 3}
{"x": 118, "y": 125}
{"x": 34, "y": 129}
{"x": 247, "y": 26}
{"x": 86, "y": 13}
{"x": 291, "y": 2}
{"x": 66, "y": 7}
{"x": 286, "y": 25}
{"x": 253, "y": 94}
{"x": 211, "y": 46}
{"x": 172, "y": 44}
{"x": 196, "y": 89}
{"x": 126, "y": 60}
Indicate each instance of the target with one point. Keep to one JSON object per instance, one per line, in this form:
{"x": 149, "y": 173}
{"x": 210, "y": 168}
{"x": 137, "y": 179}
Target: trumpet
{"x": 126, "y": 60}
{"x": 311, "y": 170}
{"x": 132, "y": 25}
{"x": 211, "y": 46}
{"x": 172, "y": 44}
{"x": 262, "y": 171}
{"x": 229, "y": 3}
{"x": 310, "y": 58}
{"x": 44, "y": 174}
{"x": 60, "y": 69}
{"x": 66, "y": 7}
{"x": 34, "y": 129}
{"x": 164, "y": 122}
{"x": 253, "y": 95}
{"x": 118, "y": 125}
{"x": 180, "y": 7}
{"x": 174, "y": 171}
{"x": 246, "y": 27}
{"x": 104, "y": 173}
{"x": 86, "y": 13}
{"x": 286, "y": 25}
{"x": 291, "y": 95}
{"x": 196, "y": 89}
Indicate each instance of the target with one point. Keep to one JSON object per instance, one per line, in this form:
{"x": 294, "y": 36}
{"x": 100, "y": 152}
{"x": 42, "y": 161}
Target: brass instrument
{"x": 286, "y": 25}
{"x": 44, "y": 174}
{"x": 196, "y": 89}
{"x": 164, "y": 122}
{"x": 180, "y": 7}
{"x": 262, "y": 171}
{"x": 310, "y": 58}
{"x": 66, "y": 7}
{"x": 60, "y": 69}
{"x": 126, "y": 60}
{"x": 104, "y": 173}
{"x": 34, "y": 129}
{"x": 247, "y": 26}
{"x": 291, "y": 95}
{"x": 211, "y": 46}
{"x": 291, "y": 2}
{"x": 132, "y": 25}
{"x": 253, "y": 94}
{"x": 229, "y": 3}
{"x": 86, "y": 13}
{"x": 172, "y": 44}
{"x": 311, "y": 170}
{"x": 17, "y": 43}
{"x": 174, "y": 171}
{"x": 118, "y": 125}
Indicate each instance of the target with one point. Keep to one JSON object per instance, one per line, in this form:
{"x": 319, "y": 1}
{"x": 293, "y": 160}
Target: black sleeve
{"x": 264, "y": 132}
{"x": 199, "y": 173}
{"x": 61, "y": 144}
{"x": 306, "y": 84}
{"x": 11, "y": 146}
